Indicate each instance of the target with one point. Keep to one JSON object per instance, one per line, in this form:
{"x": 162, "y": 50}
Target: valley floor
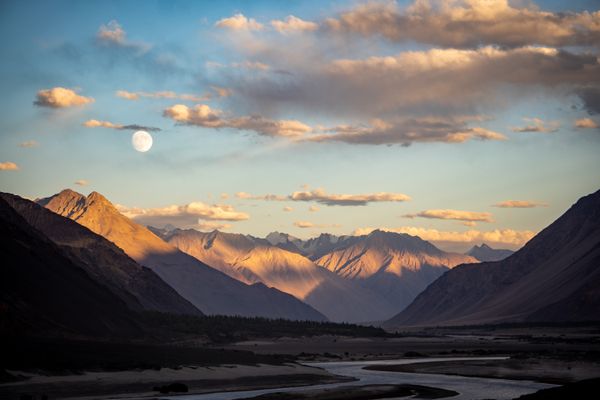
{"x": 557, "y": 355}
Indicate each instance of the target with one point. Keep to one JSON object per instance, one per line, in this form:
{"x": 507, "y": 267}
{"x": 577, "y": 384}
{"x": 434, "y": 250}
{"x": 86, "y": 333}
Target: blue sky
{"x": 372, "y": 109}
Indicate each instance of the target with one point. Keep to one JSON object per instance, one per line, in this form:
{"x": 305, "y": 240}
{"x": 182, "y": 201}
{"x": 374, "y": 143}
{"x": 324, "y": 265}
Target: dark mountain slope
{"x": 555, "y": 277}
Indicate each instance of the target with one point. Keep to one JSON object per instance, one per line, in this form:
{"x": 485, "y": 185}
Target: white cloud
{"x": 239, "y": 22}
{"x": 82, "y": 182}
{"x": 307, "y": 225}
{"x": 59, "y": 97}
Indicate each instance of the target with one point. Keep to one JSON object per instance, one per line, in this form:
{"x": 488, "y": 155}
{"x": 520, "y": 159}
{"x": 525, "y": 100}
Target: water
{"x": 468, "y": 388}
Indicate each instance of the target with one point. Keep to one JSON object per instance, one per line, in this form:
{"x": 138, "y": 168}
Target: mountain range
{"x": 554, "y": 277}
{"x": 211, "y": 291}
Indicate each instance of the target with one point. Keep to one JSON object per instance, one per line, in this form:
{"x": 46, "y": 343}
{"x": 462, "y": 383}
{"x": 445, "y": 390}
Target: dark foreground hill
{"x": 555, "y": 277}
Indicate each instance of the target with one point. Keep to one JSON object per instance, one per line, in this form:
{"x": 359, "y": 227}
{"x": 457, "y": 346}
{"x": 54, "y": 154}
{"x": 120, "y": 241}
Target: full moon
{"x": 141, "y": 141}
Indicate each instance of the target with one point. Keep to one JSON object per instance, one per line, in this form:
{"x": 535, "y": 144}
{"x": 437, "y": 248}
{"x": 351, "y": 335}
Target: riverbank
{"x": 366, "y": 392}
{"x": 140, "y": 383}
{"x": 533, "y": 369}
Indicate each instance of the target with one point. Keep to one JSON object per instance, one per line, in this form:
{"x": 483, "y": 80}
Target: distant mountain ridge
{"x": 397, "y": 266}
{"x": 554, "y": 277}
{"x": 206, "y": 288}
{"x": 355, "y": 279}
{"x": 484, "y": 252}
{"x": 252, "y": 260}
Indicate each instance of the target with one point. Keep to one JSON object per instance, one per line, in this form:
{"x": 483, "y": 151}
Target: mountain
{"x": 254, "y": 260}
{"x": 139, "y": 287}
{"x": 42, "y": 291}
{"x": 554, "y": 277}
{"x": 312, "y": 248}
{"x": 396, "y": 266}
{"x": 486, "y": 253}
{"x": 209, "y": 290}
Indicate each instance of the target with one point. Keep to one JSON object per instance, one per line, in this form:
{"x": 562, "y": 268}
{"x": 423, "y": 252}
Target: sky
{"x": 460, "y": 121}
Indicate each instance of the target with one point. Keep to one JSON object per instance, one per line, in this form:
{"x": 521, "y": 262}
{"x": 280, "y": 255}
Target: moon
{"x": 141, "y": 141}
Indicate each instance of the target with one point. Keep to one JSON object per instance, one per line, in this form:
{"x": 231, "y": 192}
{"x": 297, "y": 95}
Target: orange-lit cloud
{"x": 467, "y": 216}
{"x": 211, "y": 226}
{"x": 94, "y": 123}
{"x": 313, "y": 209}
{"x": 239, "y": 22}
{"x": 288, "y": 209}
{"x": 293, "y": 24}
{"x": 329, "y": 199}
{"x": 407, "y": 131}
{"x": 29, "y": 143}
{"x": 113, "y": 34}
{"x": 505, "y": 237}
{"x": 586, "y": 123}
{"x": 307, "y": 224}
{"x": 161, "y": 95}
{"x": 520, "y": 204}
{"x": 538, "y": 125}
{"x": 60, "y": 97}
{"x": 186, "y": 215}
{"x": 8, "y": 166}
{"x": 470, "y": 23}
{"x": 203, "y": 115}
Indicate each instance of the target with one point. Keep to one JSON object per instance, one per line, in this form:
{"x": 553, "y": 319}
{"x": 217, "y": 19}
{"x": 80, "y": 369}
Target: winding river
{"x": 469, "y": 388}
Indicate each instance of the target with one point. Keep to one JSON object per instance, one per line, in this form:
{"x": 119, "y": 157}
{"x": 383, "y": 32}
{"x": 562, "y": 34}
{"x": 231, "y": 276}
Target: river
{"x": 469, "y": 388}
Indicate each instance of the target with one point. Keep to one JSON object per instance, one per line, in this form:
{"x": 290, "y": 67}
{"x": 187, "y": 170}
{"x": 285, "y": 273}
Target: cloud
{"x": 29, "y": 144}
{"x": 267, "y": 197}
{"x": 221, "y": 91}
{"x": 239, "y": 22}
{"x": 224, "y": 196}
{"x": 82, "y": 182}
{"x": 94, "y": 123}
{"x": 591, "y": 99}
{"x": 520, "y": 204}
{"x": 307, "y": 224}
{"x": 320, "y": 196}
{"x": 499, "y": 237}
{"x": 467, "y": 216}
{"x": 250, "y": 65}
{"x": 211, "y": 226}
{"x": 293, "y": 24}
{"x": 538, "y": 125}
{"x": 407, "y": 131}
{"x": 187, "y": 215}
{"x": 469, "y": 23}
{"x": 162, "y": 95}
{"x": 313, "y": 209}
{"x": 8, "y": 166}
{"x": 204, "y": 116}
{"x": 416, "y": 85}
{"x": 60, "y": 97}
{"x": 586, "y": 123}
{"x": 288, "y": 209}
{"x": 113, "y": 34}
